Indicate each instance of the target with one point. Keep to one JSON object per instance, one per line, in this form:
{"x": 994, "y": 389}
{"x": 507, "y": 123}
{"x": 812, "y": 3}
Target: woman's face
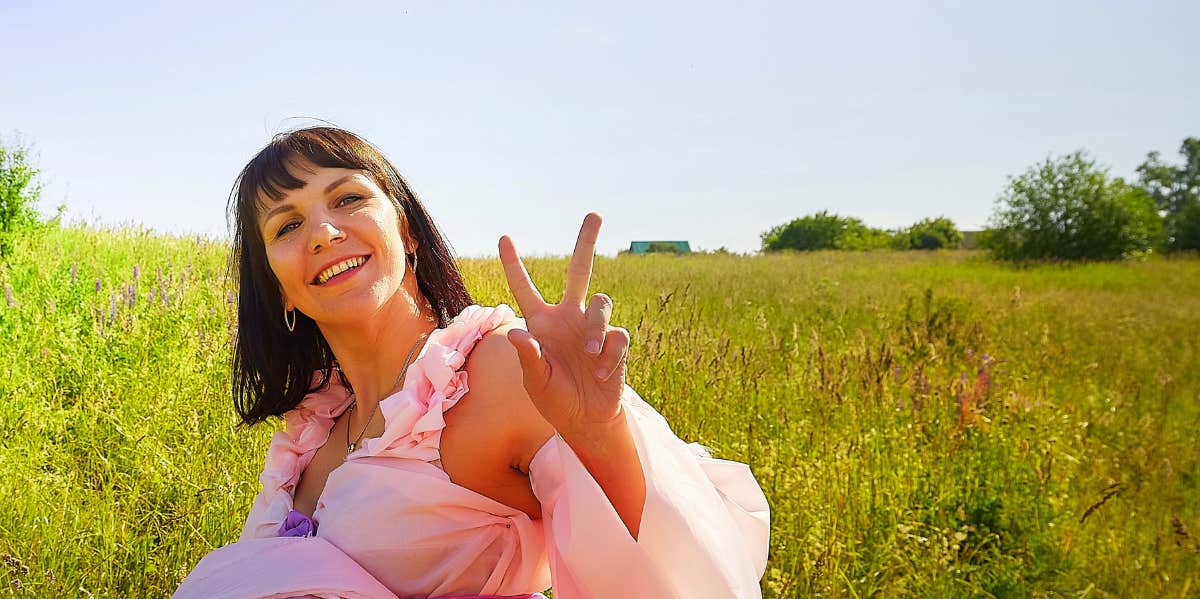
{"x": 336, "y": 245}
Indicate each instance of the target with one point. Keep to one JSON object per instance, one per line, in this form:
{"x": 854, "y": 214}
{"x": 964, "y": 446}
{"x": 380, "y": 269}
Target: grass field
{"x": 923, "y": 424}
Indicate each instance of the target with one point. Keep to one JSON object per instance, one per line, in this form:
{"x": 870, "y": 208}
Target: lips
{"x": 339, "y": 269}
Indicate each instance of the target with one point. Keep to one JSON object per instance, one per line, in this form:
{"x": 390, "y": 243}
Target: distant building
{"x": 970, "y": 239}
{"x": 659, "y": 247}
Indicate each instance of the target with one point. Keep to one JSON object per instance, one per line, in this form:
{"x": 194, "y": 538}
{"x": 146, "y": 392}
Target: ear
{"x": 410, "y": 241}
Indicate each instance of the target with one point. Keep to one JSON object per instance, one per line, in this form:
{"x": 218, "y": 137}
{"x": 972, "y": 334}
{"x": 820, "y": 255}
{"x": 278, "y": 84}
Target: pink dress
{"x": 391, "y": 524}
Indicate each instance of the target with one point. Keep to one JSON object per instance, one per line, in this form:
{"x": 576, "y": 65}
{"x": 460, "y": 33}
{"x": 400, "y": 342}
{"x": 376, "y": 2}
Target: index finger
{"x": 527, "y": 296}
{"x": 579, "y": 272}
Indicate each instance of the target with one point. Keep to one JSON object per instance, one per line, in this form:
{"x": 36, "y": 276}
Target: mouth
{"x": 340, "y": 271}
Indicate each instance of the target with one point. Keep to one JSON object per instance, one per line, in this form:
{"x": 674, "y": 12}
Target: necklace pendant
{"x": 350, "y": 449}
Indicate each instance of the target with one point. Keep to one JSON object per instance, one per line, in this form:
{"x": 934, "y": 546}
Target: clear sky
{"x": 709, "y": 122}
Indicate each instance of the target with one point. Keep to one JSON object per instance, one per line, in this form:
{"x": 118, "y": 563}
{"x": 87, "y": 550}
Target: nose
{"x": 325, "y": 235}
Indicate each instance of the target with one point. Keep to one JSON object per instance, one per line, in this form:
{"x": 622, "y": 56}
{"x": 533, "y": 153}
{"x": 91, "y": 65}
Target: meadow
{"x": 923, "y": 424}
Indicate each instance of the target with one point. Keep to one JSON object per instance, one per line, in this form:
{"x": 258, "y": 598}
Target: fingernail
{"x": 601, "y": 373}
{"x": 593, "y": 347}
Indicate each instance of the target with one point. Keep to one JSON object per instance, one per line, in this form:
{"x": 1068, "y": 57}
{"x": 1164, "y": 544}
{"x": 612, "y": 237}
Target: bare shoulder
{"x": 496, "y": 387}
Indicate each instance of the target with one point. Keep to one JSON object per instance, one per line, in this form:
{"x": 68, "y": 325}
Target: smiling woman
{"x": 394, "y": 477}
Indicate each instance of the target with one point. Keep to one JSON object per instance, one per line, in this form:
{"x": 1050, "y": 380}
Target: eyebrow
{"x": 286, "y": 207}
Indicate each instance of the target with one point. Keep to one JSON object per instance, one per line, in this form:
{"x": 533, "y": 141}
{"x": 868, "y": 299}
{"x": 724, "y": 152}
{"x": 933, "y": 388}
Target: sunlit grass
{"x": 922, "y": 424}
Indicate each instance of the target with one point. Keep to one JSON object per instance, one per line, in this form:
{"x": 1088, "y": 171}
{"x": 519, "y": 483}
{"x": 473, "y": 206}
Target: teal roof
{"x": 647, "y": 247}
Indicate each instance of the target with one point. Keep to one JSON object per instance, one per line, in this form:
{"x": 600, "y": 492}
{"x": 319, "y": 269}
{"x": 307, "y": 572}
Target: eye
{"x": 285, "y": 229}
{"x": 348, "y": 199}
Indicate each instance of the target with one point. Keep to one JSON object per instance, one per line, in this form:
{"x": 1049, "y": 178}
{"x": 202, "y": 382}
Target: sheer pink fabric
{"x": 391, "y": 524}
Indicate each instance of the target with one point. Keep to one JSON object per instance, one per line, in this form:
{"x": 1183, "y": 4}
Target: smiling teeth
{"x": 339, "y": 268}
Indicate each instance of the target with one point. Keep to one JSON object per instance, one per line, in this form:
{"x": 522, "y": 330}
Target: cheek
{"x": 284, "y": 267}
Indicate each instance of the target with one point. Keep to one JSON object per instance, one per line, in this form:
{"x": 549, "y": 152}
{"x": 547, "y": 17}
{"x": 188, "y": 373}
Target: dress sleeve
{"x": 704, "y": 531}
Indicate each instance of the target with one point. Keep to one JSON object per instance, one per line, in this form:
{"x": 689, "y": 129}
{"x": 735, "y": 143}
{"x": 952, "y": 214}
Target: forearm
{"x": 610, "y": 455}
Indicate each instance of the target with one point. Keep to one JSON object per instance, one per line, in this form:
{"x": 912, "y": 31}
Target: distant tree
{"x": 660, "y": 247}
{"x": 1069, "y": 209}
{"x": 1183, "y": 227}
{"x": 18, "y": 193}
{"x": 824, "y": 231}
{"x": 1172, "y": 187}
{"x": 1176, "y": 192}
{"x": 930, "y": 234}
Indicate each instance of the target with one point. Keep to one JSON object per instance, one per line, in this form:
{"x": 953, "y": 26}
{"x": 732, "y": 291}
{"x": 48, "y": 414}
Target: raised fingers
{"x": 579, "y": 272}
{"x": 527, "y": 296}
{"x": 597, "y": 315}
{"x": 612, "y": 359}
{"x": 535, "y": 370}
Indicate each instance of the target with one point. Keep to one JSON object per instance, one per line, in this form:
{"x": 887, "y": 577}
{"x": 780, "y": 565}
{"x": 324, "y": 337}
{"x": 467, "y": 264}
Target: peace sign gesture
{"x": 573, "y": 363}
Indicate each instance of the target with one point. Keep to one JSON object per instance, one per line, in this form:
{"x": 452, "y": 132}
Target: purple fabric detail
{"x": 533, "y": 596}
{"x": 297, "y": 525}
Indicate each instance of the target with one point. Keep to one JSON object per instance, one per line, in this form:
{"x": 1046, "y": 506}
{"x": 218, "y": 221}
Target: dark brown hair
{"x": 273, "y": 368}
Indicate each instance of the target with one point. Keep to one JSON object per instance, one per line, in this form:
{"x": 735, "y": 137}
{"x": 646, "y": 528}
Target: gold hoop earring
{"x": 291, "y": 326}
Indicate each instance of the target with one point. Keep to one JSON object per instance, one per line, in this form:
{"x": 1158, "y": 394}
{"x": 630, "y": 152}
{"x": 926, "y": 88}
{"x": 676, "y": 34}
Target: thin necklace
{"x": 351, "y": 445}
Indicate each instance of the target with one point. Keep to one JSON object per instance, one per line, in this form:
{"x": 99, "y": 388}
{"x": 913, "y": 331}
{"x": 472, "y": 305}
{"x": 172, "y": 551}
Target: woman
{"x": 441, "y": 448}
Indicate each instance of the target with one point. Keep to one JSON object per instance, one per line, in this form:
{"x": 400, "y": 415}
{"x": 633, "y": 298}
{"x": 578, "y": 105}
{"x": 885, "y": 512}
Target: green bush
{"x": 1069, "y": 209}
{"x": 18, "y": 194}
{"x": 824, "y": 231}
{"x": 930, "y": 234}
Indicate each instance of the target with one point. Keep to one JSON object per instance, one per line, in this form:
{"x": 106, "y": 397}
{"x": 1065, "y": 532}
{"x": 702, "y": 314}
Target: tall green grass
{"x": 922, "y": 424}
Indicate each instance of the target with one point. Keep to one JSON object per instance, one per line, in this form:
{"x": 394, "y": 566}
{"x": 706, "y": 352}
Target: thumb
{"x": 535, "y": 370}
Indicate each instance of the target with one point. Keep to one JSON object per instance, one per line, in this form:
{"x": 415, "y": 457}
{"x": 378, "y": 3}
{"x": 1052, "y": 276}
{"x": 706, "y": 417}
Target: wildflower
{"x": 137, "y": 272}
{"x": 97, "y": 284}
{"x": 166, "y": 297}
{"x": 160, "y": 273}
{"x": 112, "y": 307}
{"x": 229, "y": 297}
{"x": 150, "y": 299}
{"x": 132, "y": 295}
{"x": 72, "y": 273}
{"x": 8, "y": 295}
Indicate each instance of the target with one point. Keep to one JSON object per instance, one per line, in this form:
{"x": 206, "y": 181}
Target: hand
{"x": 572, "y": 362}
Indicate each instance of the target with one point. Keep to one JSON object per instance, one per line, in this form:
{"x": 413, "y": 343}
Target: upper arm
{"x": 494, "y": 379}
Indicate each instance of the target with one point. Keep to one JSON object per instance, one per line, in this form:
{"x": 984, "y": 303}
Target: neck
{"x": 371, "y": 350}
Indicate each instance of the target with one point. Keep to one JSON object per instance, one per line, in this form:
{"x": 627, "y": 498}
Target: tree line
{"x": 1064, "y": 208}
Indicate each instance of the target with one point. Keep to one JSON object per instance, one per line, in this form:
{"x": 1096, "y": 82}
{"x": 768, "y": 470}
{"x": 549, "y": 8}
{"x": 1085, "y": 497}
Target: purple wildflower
{"x": 72, "y": 272}
{"x": 166, "y": 297}
{"x": 97, "y": 284}
{"x": 160, "y": 273}
{"x": 150, "y": 299}
{"x": 229, "y": 297}
{"x": 137, "y": 272}
{"x": 132, "y": 295}
{"x": 8, "y": 296}
{"x": 112, "y": 307}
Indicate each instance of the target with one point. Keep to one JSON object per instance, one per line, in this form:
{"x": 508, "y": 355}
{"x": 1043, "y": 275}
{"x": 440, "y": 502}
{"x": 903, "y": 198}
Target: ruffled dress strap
{"x": 413, "y": 416}
{"x": 306, "y": 428}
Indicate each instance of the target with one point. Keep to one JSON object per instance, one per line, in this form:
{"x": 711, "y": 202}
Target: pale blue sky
{"x": 709, "y": 122}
